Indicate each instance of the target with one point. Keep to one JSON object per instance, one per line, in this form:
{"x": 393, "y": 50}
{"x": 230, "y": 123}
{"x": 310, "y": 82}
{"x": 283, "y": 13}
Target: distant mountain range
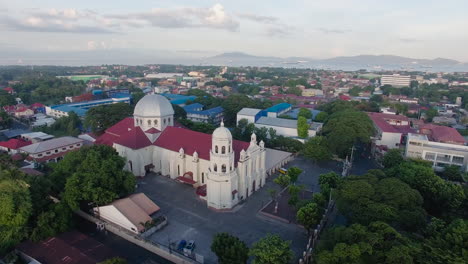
{"x": 239, "y": 58}
{"x": 138, "y": 57}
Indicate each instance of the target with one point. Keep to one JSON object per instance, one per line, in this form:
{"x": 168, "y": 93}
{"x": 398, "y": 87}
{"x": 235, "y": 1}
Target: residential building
{"x": 395, "y": 80}
{"x": 312, "y": 92}
{"x": 212, "y": 116}
{"x": 391, "y": 131}
{"x": 13, "y": 145}
{"x": 35, "y": 137}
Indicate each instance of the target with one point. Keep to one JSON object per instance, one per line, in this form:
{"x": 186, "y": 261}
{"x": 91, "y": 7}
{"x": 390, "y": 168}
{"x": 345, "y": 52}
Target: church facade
{"x": 224, "y": 171}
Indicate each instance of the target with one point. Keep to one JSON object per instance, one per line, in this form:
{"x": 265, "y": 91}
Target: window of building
{"x": 155, "y": 122}
{"x": 78, "y": 145}
{"x": 223, "y": 168}
{"x": 164, "y": 121}
{"x": 149, "y": 122}
{"x": 216, "y": 149}
{"x": 56, "y": 150}
{"x": 39, "y": 155}
{"x": 215, "y": 167}
{"x": 223, "y": 150}
{"x": 70, "y": 147}
{"x": 458, "y": 160}
{"x": 48, "y": 152}
{"x": 233, "y": 195}
{"x": 202, "y": 177}
{"x": 64, "y": 148}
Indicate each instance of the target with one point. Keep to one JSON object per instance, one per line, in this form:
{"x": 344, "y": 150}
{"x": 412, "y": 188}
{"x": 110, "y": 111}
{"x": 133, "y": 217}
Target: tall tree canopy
{"x": 15, "y": 210}
{"x": 229, "y": 249}
{"x": 272, "y": 250}
{"x": 344, "y": 129}
{"x": 96, "y": 176}
{"x": 316, "y": 149}
{"x": 302, "y": 127}
{"x": 102, "y": 117}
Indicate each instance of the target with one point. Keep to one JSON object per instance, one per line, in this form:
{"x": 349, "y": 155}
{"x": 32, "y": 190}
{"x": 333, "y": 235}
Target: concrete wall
{"x": 391, "y": 140}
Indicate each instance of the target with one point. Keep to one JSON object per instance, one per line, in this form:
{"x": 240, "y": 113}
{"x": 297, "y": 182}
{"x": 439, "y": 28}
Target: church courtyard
{"x": 190, "y": 219}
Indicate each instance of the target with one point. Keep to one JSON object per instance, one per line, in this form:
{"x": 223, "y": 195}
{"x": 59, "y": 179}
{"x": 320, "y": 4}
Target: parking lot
{"x": 190, "y": 219}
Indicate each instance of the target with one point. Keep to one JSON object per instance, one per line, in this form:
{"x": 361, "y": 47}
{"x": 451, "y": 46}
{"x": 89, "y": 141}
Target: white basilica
{"x": 223, "y": 170}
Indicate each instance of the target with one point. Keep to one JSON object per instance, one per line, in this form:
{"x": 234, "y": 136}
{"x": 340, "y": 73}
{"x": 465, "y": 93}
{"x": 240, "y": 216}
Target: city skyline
{"x": 314, "y": 29}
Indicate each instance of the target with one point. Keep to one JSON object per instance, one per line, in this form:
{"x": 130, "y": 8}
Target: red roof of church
{"x": 14, "y": 143}
{"x": 443, "y": 134}
{"x": 172, "y": 138}
{"x": 152, "y": 131}
{"x": 8, "y": 89}
{"x": 37, "y": 105}
{"x": 134, "y": 139}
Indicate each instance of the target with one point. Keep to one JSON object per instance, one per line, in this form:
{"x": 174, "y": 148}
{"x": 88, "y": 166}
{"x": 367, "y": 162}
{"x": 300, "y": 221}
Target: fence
{"x": 307, "y": 256}
{"x": 156, "y": 248}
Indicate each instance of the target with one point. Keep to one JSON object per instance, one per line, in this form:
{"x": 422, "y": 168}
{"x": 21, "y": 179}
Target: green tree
{"x": 282, "y": 180}
{"x": 179, "y": 112}
{"x": 101, "y": 117}
{"x": 97, "y": 178}
{"x": 294, "y": 90}
{"x": 305, "y": 113}
{"x": 328, "y": 181}
{"x": 55, "y": 220}
{"x": 6, "y": 98}
{"x": 302, "y": 127}
{"x": 63, "y": 126}
{"x": 453, "y": 173}
{"x": 344, "y": 129}
{"x": 271, "y": 250}
{"x": 316, "y": 149}
{"x": 321, "y": 117}
{"x": 430, "y": 114}
{"x": 376, "y": 98}
{"x": 375, "y": 243}
{"x": 294, "y": 173}
{"x": 309, "y": 216}
{"x": 15, "y": 210}
{"x": 229, "y": 249}
{"x": 392, "y": 158}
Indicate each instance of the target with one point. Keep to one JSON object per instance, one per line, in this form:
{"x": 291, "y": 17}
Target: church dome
{"x": 222, "y": 132}
{"x": 153, "y": 105}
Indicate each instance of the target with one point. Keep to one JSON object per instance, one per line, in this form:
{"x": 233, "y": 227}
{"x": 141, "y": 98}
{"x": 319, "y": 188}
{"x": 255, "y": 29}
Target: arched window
{"x": 229, "y": 149}
{"x": 223, "y": 150}
{"x": 141, "y": 121}
{"x": 164, "y": 120}
{"x": 223, "y": 168}
{"x": 155, "y": 122}
{"x": 215, "y": 167}
{"x": 216, "y": 149}
{"x": 149, "y": 122}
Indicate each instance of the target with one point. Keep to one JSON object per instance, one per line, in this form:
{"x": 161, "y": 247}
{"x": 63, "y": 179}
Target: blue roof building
{"x": 212, "y": 116}
{"x": 179, "y": 99}
{"x": 82, "y": 107}
{"x": 276, "y": 110}
{"x": 193, "y": 107}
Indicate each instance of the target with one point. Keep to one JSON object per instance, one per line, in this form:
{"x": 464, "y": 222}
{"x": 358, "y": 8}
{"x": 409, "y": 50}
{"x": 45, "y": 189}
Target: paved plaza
{"x": 190, "y": 219}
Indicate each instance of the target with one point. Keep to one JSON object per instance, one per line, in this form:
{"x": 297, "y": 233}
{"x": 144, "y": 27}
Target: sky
{"x": 309, "y": 28}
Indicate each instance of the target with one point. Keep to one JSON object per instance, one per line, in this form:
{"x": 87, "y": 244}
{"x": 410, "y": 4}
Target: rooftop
{"x": 279, "y": 122}
{"x": 249, "y": 111}
{"x": 278, "y": 108}
{"x": 50, "y": 144}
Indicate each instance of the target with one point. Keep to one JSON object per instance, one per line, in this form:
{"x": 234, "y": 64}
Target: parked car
{"x": 283, "y": 171}
{"x": 190, "y": 247}
{"x": 181, "y": 245}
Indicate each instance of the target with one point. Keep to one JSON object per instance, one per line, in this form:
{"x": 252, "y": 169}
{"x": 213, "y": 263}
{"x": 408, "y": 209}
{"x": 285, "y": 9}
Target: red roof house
{"x": 442, "y": 134}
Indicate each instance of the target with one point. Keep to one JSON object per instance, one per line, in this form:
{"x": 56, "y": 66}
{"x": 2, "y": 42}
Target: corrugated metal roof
{"x": 50, "y": 144}
{"x": 279, "y": 122}
{"x": 249, "y": 111}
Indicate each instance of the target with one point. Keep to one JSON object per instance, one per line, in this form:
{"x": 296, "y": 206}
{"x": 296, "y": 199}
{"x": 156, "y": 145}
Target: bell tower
{"x": 222, "y": 178}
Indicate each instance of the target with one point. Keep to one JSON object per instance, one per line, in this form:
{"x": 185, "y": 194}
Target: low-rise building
{"x": 440, "y": 154}
{"x": 212, "y": 116}
{"x": 287, "y": 127}
{"x": 395, "y": 80}
{"x": 13, "y": 145}
{"x": 131, "y": 213}
{"x": 391, "y": 131}
{"x": 250, "y": 114}
{"x": 81, "y": 108}
{"x": 51, "y": 150}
